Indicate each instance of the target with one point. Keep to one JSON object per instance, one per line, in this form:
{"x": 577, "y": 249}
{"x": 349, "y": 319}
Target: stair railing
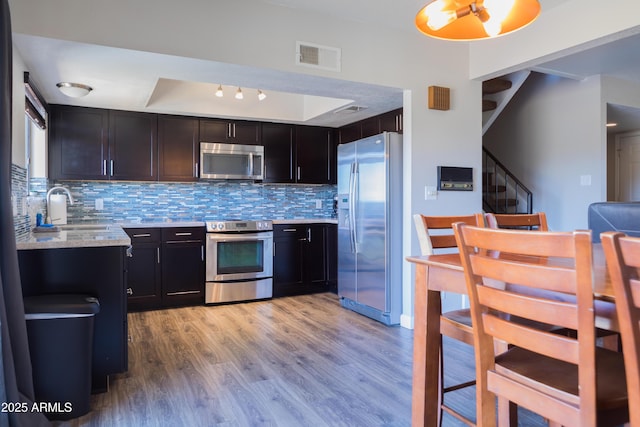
{"x": 502, "y": 192}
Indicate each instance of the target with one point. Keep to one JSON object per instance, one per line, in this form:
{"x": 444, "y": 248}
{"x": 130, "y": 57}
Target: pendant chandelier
{"x": 475, "y": 19}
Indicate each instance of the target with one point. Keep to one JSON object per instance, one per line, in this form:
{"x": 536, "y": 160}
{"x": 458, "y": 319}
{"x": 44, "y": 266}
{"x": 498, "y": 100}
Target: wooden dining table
{"x": 444, "y": 273}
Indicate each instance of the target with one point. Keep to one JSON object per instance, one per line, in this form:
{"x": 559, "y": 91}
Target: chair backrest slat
{"x": 535, "y": 221}
{"x": 537, "y": 307}
{"x": 552, "y": 345}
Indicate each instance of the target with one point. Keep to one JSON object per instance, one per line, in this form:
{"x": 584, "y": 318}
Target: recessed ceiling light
{"x": 74, "y": 90}
{"x": 610, "y": 125}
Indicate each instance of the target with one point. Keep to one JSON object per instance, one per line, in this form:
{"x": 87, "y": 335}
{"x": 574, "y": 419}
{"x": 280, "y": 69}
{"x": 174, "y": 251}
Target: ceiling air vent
{"x": 317, "y": 56}
{"x": 350, "y": 109}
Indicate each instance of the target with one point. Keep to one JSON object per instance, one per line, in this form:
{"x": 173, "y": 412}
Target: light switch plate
{"x": 430, "y": 192}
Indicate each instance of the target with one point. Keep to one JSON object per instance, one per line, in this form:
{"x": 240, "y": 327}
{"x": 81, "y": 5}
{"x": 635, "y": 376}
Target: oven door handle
{"x": 239, "y": 237}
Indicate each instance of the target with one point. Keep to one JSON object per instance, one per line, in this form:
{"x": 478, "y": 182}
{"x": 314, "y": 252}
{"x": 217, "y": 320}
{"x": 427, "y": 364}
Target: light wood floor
{"x": 296, "y": 361}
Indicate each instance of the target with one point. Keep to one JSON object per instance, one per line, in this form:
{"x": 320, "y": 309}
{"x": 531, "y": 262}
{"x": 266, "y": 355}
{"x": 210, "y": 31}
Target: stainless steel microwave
{"x": 231, "y": 161}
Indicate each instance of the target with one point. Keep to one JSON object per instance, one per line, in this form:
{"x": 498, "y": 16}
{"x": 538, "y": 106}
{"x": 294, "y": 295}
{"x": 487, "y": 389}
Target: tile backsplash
{"x": 149, "y": 202}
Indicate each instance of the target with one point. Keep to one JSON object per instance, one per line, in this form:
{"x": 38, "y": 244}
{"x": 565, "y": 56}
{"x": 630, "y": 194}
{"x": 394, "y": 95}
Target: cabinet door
{"x": 178, "y": 148}
{"x": 391, "y": 121}
{"x": 245, "y": 132}
{"x": 287, "y": 260}
{"x": 144, "y": 269}
{"x": 332, "y": 257}
{"x": 233, "y": 132}
{"x": 313, "y": 151}
{"x": 133, "y": 146}
{"x": 278, "y": 152}
{"x": 78, "y": 146}
{"x": 214, "y": 130}
{"x": 182, "y": 266}
{"x": 315, "y": 259}
{"x": 349, "y": 133}
{"x": 371, "y": 127}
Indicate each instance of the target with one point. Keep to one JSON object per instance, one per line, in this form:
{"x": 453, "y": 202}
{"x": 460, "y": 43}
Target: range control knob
{"x": 220, "y": 225}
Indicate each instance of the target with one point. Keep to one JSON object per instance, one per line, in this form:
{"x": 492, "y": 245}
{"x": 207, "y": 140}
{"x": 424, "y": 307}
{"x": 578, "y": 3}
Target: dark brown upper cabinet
{"x": 78, "y": 143}
{"x": 230, "y": 131}
{"x": 279, "y": 152}
{"x": 387, "y": 122}
{"x": 391, "y": 121}
{"x": 96, "y": 144}
{"x": 315, "y": 154}
{"x": 178, "y": 148}
{"x": 133, "y": 146}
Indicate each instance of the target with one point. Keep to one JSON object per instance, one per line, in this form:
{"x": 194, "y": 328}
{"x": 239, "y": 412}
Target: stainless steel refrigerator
{"x": 370, "y": 226}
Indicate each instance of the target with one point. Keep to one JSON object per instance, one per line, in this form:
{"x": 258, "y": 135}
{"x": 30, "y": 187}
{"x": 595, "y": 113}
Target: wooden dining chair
{"x": 435, "y": 234}
{"x": 542, "y": 277}
{"x": 623, "y": 262}
{"x": 538, "y": 221}
{"x": 534, "y": 221}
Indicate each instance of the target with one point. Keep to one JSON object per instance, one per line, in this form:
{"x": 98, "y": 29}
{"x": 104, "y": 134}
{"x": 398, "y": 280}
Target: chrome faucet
{"x": 50, "y": 192}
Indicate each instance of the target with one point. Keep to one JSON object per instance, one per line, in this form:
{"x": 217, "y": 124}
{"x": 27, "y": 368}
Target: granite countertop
{"x": 161, "y": 224}
{"x": 74, "y": 236}
{"x": 112, "y": 234}
{"x": 306, "y": 221}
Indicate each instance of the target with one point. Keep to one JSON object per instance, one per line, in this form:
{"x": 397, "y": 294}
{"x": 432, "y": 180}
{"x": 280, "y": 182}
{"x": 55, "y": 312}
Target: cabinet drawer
{"x": 143, "y": 235}
{"x": 181, "y": 234}
{"x": 287, "y": 229}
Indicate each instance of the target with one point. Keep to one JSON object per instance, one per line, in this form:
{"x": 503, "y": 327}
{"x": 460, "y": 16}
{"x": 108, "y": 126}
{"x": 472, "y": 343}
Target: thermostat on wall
{"x": 455, "y": 178}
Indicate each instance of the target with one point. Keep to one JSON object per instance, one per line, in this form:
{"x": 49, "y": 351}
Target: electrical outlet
{"x": 99, "y": 204}
{"x": 318, "y": 204}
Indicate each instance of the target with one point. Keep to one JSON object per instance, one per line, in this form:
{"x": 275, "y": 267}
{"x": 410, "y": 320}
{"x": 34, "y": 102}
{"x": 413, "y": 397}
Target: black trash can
{"x": 60, "y": 331}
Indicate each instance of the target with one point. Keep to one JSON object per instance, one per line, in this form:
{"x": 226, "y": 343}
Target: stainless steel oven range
{"x": 239, "y": 261}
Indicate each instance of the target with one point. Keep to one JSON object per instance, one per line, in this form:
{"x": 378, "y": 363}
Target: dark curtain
{"x": 16, "y": 381}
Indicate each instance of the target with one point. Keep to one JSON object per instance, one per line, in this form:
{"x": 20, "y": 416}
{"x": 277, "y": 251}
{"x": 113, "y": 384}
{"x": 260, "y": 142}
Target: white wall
{"x": 550, "y": 136}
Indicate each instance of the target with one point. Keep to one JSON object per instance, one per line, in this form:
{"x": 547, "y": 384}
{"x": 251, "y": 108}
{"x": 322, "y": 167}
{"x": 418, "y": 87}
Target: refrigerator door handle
{"x": 353, "y": 199}
{"x": 351, "y": 208}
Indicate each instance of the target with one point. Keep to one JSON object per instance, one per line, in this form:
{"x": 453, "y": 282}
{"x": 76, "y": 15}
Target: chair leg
{"x": 441, "y": 384}
{"x": 504, "y": 418}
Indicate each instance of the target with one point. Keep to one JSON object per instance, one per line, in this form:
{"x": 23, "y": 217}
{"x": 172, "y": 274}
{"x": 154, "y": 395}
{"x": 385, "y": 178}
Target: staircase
{"x": 502, "y": 192}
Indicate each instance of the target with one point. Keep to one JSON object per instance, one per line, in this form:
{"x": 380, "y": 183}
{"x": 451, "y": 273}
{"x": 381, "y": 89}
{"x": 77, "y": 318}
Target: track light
{"x": 239, "y": 94}
{"x": 261, "y": 95}
{"x": 219, "y": 92}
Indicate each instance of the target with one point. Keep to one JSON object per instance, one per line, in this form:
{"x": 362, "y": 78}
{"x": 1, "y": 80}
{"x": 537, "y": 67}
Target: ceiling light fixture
{"x": 219, "y": 92}
{"x": 239, "y": 94}
{"x": 261, "y": 95}
{"x": 74, "y": 90}
{"x": 611, "y": 125}
{"x": 475, "y": 19}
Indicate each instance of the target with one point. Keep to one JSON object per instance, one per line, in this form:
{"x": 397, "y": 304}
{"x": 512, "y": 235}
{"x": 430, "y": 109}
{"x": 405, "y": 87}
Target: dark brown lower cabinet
{"x": 143, "y": 269}
{"x": 166, "y": 268}
{"x": 94, "y": 271}
{"x": 302, "y": 259}
{"x": 182, "y": 266}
